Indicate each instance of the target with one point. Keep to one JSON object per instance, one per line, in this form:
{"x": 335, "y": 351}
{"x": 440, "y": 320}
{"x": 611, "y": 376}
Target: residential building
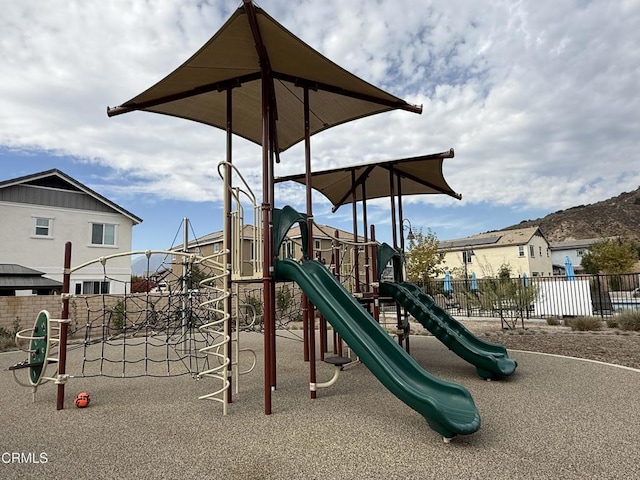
{"x": 41, "y": 212}
{"x": 574, "y": 249}
{"x": 213, "y": 243}
{"x": 16, "y": 280}
{"x": 525, "y": 251}
{"x": 291, "y": 248}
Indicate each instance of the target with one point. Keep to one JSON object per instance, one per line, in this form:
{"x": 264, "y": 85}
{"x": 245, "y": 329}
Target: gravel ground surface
{"x": 537, "y": 424}
{"x": 607, "y": 345}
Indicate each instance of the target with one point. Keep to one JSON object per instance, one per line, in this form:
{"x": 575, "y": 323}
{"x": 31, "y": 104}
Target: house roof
{"x": 250, "y": 49}
{"x": 318, "y": 234}
{"x": 573, "y": 244}
{"x": 57, "y": 179}
{"x": 12, "y": 269}
{"x": 501, "y": 238}
{"x": 214, "y": 237}
{"x": 17, "y": 277}
{"x": 294, "y": 232}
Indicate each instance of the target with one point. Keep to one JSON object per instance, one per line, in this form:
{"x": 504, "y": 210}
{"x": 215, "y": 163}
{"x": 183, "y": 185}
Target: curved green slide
{"x": 447, "y": 407}
{"x": 490, "y": 359}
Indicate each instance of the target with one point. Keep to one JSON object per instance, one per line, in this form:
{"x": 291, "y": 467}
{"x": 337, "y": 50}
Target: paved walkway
{"x": 555, "y": 418}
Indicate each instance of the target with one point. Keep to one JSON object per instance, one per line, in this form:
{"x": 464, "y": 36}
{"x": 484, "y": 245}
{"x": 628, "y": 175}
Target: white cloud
{"x": 540, "y": 100}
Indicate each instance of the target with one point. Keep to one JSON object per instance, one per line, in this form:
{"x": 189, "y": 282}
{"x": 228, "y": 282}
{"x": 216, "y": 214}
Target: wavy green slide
{"x": 447, "y": 407}
{"x": 490, "y": 359}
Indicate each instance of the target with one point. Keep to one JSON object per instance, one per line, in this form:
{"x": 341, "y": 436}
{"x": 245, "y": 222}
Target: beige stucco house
{"x": 212, "y": 243}
{"x": 525, "y": 251}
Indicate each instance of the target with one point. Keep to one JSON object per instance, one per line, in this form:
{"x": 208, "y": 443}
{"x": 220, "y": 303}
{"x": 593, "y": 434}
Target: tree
{"x": 423, "y": 258}
{"x": 610, "y": 255}
{"x": 503, "y": 294}
{"x": 141, "y": 284}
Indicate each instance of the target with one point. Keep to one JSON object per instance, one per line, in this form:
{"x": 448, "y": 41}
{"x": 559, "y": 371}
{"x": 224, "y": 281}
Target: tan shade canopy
{"x": 418, "y": 175}
{"x": 197, "y": 89}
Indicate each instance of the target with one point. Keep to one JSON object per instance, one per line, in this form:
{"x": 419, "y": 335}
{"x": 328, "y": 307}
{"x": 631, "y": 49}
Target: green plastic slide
{"x": 490, "y": 359}
{"x": 447, "y": 407}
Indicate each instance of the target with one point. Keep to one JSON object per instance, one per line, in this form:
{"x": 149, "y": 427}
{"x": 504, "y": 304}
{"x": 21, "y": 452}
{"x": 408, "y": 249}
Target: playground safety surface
{"x": 554, "y": 418}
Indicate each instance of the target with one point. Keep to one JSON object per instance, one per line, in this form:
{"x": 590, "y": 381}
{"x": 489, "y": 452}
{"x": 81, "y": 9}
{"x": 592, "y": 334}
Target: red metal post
{"x": 62, "y": 354}
{"x": 374, "y": 273}
{"x": 266, "y": 251}
{"x": 365, "y": 232}
{"x": 323, "y": 336}
{"x": 307, "y": 162}
{"x": 305, "y": 327}
{"x": 228, "y": 238}
{"x": 402, "y": 310}
{"x": 356, "y": 257}
{"x": 394, "y": 226}
{"x": 336, "y": 273}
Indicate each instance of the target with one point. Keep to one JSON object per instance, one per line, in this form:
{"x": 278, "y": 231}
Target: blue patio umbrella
{"x": 525, "y": 279}
{"x": 474, "y": 282}
{"x": 447, "y": 283}
{"x": 568, "y": 269}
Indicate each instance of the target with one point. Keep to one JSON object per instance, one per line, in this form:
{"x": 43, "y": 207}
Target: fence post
{"x": 600, "y": 300}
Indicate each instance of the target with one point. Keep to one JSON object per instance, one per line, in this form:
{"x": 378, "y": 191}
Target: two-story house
{"x": 525, "y": 251}
{"x": 39, "y": 213}
{"x": 212, "y": 243}
{"x": 574, "y": 249}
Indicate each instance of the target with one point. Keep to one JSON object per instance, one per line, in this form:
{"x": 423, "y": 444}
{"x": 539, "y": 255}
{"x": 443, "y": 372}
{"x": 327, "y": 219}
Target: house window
{"x": 92, "y": 288}
{"x": 532, "y": 251}
{"x": 316, "y": 245}
{"x": 288, "y": 249}
{"x": 43, "y": 227}
{"x": 580, "y": 253}
{"x": 521, "y": 251}
{"x": 466, "y": 256}
{"x": 540, "y": 251}
{"x": 216, "y": 247}
{"x": 103, "y": 234}
{"x": 252, "y": 250}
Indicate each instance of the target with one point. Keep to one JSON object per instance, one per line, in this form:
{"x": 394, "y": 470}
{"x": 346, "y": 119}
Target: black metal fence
{"x": 537, "y": 297}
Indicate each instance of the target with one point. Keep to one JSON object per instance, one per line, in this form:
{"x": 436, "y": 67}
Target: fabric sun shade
{"x": 418, "y": 175}
{"x": 230, "y": 59}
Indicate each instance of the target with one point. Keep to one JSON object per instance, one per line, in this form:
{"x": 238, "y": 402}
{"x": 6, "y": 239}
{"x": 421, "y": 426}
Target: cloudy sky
{"x": 540, "y": 100}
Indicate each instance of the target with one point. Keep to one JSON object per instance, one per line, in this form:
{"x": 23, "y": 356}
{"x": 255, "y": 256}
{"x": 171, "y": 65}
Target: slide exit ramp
{"x": 490, "y": 359}
{"x": 447, "y": 407}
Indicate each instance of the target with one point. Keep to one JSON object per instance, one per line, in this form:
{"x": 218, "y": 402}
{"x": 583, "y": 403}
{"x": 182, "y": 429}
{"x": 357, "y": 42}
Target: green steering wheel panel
{"x": 39, "y": 348}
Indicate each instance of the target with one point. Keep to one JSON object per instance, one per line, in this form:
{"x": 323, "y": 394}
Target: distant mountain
{"x": 617, "y": 216}
{"x": 140, "y": 266}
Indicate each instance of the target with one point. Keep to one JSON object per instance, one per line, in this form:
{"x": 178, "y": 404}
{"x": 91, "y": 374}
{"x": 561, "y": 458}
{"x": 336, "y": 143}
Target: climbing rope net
{"x": 159, "y": 326}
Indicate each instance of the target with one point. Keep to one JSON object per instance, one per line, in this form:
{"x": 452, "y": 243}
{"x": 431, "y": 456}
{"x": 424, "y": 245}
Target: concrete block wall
{"x": 84, "y": 309}
{"x": 24, "y": 310}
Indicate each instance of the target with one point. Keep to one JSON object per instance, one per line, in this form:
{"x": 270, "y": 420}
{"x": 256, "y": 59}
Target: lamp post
{"x": 403, "y": 326}
{"x": 466, "y": 259}
{"x": 410, "y": 236}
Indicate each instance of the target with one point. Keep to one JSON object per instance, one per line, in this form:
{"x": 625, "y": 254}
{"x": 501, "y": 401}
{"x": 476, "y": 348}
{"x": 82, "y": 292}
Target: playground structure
{"x": 299, "y": 92}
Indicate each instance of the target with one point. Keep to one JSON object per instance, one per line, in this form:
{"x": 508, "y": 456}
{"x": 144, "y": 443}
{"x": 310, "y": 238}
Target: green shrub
{"x": 284, "y": 299}
{"x": 612, "y": 322}
{"x": 629, "y": 321}
{"x": 255, "y": 302}
{"x": 8, "y": 337}
{"x": 584, "y": 324}
{"x": 117, "y": 316}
